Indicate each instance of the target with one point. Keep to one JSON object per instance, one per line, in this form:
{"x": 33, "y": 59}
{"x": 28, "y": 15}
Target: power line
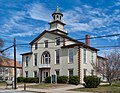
{"x": 77, "y": 39}
{"x": 6, "y": 48}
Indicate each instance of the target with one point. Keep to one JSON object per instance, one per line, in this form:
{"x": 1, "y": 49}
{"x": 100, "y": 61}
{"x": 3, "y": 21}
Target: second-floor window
{"x": 57, "y": 41}
{"x": 46, "y": 44}
{"x": 46, "y": 57}
{"x": 27, "y": 59}
{"x": 84, "y": 55}
{"x": 71, "y": 55}
{"x": 57, "y": 52}
{"x": 35, "y": 59}
{"x": 91, "y": 57}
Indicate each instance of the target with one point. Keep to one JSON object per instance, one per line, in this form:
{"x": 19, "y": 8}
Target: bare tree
{"x": 1, "y": 45}
{"x": 113, "y": 66}
{"x": 110, "y": 68}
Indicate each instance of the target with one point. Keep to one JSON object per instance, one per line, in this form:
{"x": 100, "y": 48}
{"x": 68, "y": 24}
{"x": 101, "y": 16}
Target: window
{"x": 46, "y": 44}
{"x": 85, "y": 70}
{"x": 26, "y": 72}
{"x": 92, "y": 72}
{"x": 27, "y": 59}
{"x": 6, "y": 71}
{"x": 70, "y": 72}
{"x": 57, "y": 52}
{"x": 84, "y": 55}
{"x": 57, "y": 72}
{"x": 35, "y": 59}
{"x": 91, "y": 57}
{"x": 57, "y": 41}
{"x": 46, "y": 57}
{"x": 71, "y": 55}
{"x": 35, "y": 74}
{"x": 36, "y": 46}
{"x": 1, "y": 70}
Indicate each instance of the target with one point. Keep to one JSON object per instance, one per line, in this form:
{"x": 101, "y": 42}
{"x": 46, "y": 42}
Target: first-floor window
{"x": 92, "y": 72}
{"x": 26, "y": 72}
{"x": 85, "y": 71}
{"x": 70, "y": 72}
{"x": 6, "y": 71}
{"x": 1, "y": 70}
{"x": 57, "y": 72}
{"x": 35, "y": 73}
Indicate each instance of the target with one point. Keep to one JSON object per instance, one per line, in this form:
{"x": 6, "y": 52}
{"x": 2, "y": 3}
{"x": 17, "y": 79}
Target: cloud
{"x": 39, "y": 12}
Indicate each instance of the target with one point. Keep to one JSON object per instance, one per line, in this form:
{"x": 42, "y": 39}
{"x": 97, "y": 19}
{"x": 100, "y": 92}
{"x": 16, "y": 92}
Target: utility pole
{"x": 15, "y": 63}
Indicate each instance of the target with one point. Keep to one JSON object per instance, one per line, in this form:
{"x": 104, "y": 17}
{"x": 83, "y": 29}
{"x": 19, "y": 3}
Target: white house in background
{"x": 54, "y": 52}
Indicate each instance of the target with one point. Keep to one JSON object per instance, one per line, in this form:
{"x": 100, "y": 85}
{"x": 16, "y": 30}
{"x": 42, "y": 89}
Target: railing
{"x": 44, "y": 66}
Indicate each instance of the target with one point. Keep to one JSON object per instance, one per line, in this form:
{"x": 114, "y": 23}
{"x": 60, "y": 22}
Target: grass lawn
{"x": 2, "y": 84}
{"x": 46, "y": 86}
{"x": 115, "y": 88}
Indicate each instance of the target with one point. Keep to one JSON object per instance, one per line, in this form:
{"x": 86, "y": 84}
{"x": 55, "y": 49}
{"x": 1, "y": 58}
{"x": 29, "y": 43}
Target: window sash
{"x": 1, "y": 70}
{"x": 36, "y": 46}
{"x": 71, "y": 55}
{"x": 35, "y": 59}
{"x": 84, "y": 55}
{"x": 27, "y": 59}
{"x": 57, "y": 56}
{"x": 70, "y": 72}
{"x": 57, "y": 41}
{"x": 46, "y": 44}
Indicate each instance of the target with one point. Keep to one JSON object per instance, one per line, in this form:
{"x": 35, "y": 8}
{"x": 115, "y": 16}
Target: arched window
{"x": 45, "y": 58}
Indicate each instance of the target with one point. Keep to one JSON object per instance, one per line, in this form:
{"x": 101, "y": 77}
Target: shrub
{"x": 91, "y": 81}
{"x": 74, "y": 80}
{"x": 62, "y": 79}
{"x": 20, "y": 79}
{"x": 28, "y": 80}
{"x": 48, "y": 79}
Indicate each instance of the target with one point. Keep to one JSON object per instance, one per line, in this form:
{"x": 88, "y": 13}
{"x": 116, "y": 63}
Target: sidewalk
{"x": 65, "y": 89}
{"x": 57, "y": 90}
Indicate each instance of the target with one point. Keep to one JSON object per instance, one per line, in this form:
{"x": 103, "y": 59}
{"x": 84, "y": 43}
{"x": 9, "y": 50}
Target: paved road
{"x": 14, "y": 91}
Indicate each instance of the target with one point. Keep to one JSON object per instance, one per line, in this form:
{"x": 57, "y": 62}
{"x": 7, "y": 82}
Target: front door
{"x": 45, "y": 74}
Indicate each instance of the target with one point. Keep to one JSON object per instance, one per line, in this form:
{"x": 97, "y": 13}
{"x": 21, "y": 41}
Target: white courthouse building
{"x": 54, "y": 52}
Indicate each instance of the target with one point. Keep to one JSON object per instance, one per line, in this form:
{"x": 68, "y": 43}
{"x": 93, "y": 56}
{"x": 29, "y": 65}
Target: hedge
{"x": 28, "y": 80}
{"x": 91, "y": 81}
{"x": 74, "y": 80}
{"x": 62, "y": 79}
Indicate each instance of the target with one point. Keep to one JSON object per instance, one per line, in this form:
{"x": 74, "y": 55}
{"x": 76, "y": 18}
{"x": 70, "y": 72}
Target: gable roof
{"x": 64, "y": 36}
{"x": 6, "y": 62}
{"x": 84, "y": 46}
{"x": 52, "y": 32}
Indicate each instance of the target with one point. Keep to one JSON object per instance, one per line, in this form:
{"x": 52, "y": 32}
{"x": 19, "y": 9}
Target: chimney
{"x": 87, "y": 40}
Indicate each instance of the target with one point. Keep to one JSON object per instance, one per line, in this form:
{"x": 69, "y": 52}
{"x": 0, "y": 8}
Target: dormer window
{"x": 57, "y": 41}
{"x": 46, "y": 43}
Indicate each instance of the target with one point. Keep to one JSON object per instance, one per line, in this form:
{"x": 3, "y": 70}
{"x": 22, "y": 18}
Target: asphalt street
{"x": 14, "y": 91}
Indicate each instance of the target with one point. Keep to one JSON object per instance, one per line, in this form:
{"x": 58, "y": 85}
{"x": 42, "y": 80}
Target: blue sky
{"x": 26, "y": 19}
